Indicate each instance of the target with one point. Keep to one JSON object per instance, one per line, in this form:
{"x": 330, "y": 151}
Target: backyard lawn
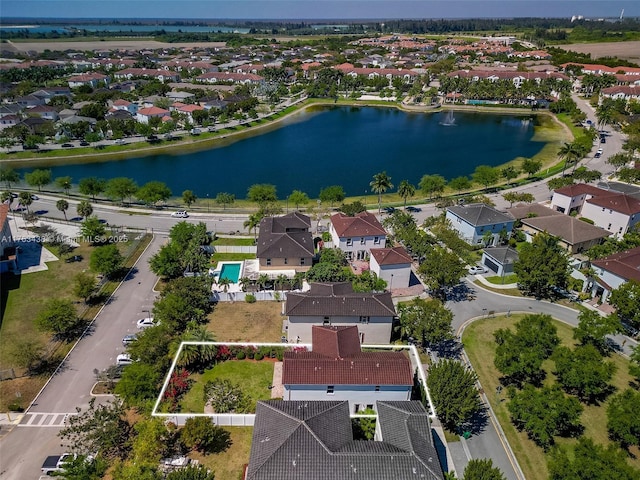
{"x": 246, "y": 322}
{"x": 229, "y": 464}
{"x": 480, "y": 347}
{"x": 254, "y": 377}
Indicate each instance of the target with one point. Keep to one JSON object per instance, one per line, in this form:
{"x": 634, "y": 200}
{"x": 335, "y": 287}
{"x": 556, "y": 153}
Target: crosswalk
{"x": 41, "y": 419}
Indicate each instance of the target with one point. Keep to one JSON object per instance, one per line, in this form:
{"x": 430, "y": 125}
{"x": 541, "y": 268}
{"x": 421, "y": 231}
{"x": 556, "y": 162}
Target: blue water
{"x": 124, "y": 28}
{"x": 336, "y": 146}
{"x": 230, "y": 271}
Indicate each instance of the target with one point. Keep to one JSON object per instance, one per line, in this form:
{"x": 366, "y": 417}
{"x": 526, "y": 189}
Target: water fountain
{"x": 449, "y": 120}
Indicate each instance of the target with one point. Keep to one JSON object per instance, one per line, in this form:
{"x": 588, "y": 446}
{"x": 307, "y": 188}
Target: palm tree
{"x": 380, "y": 184}
{"x": 406, "y": 190}
{"x": 224, "y": 283}
{"x": 252, "y": 223}
{"x": 280, "y": 280}
{"x": 84, "y": 209}
{"x": 26, "y": 199}
{"x": 569, "y": 152}
{"x": 245, "y": 282}
{"x": 197, "y": 354}
{"x": 263, "y": 279}
{"x": 62, "y": 205}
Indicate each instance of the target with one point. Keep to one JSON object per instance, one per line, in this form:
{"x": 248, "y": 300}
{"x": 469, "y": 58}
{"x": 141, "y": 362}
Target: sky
{"x": 313, "y": 9}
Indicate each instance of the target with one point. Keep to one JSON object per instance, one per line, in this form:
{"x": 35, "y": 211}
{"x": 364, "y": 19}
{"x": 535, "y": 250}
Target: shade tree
{"x": 38, "y": 178}
{"x": 583, "y": 372}
{"x": 224, "y": 199}
{"x": 202, "y": 435}
{"x": 441, "y": 269}
{"x": 427, "y": 321}
{"x": 106, "y": 260}
{"x": 92, "y": 186}
{"x": 593, "y": 329}
{"x": 58, "y": 316}
{"x": 482, "y": 469}
{"x": 431, "y": 185}
{"x": 332, "y": 194}
{"x": 542, "y": 264}
{"x": 623, "y": 418}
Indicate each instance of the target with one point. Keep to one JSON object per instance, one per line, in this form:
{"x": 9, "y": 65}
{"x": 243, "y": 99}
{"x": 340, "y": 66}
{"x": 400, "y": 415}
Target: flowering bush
{"x": 179, "y": 384}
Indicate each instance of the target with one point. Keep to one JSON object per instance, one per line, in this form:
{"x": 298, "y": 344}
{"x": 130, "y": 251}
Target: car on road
{"x": 129, "y": 339}
{"x": 477, "y": 269}
{"x": 119, "y": 141}
{"x": 84, "y": 143}
{"x": 123, "y": 359}
{"x": 75, "y": 258}
{"x": 34, "y": 197}
{"x": 413, "y": 209}
{"x": 67, "y": 145}
{"x": 55, "y": 463}
{"x": 180, "y": 214}
{"x": 146, "y": 322}
{"x": 388, "y": 210}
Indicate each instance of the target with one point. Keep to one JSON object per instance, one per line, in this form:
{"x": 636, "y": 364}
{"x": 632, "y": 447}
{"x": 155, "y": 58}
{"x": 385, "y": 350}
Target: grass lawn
{"x": 499, "y": 280}
{"x": 253, "y": 376}
{"x": 234, "y": 241}
{"x": 514, "y": 292}
{"x": 480, "y": 347}
{"x": 246, "y": 322}
{"x": 230, "y": 464}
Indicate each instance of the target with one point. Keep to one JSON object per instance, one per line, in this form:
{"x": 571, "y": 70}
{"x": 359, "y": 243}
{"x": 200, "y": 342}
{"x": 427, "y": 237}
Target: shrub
{"x": 240, "y": 355}
{"x": 14, "y": 407}
{"x": 200, "y": 434}
{"x": 280, "y": 354}
{"x": 250, "y": 352}
{"x": 587, "y": 220}
{"x": 258, "y": 356}
{"x": 225, "y": 397}
{"x": 249, "y": 298}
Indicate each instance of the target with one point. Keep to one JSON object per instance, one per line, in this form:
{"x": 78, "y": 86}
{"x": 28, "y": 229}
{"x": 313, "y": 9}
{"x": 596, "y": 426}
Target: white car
{"x": 180, "y": 214}
{"x": 478, "y": 269}
{"x": 123, "y": 359}
{"x": 146, "y": 322}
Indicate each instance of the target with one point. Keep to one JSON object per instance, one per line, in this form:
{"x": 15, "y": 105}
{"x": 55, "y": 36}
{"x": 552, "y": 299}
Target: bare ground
{"x": 129, "y": 44}
{"x": 248, "y": 322}
{"x": 625, "y": 50}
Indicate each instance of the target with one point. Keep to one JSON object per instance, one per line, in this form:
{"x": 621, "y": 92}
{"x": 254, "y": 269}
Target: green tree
{"x": 139, "y": 383}
{"x": 332, "y": 194}
{"x": 380, "y": 184}
{"x": 191, "y": 472}
{"x": 593, "y": 329}
{"x": 150, "y": 348}
{"x": 542, "y": 264}
{"x": 513, "y": 197}
{"x": 153, "y": 193}
{"x": 38, "y": 178}
{"x": 64, "y": 183}
{"x": 167, "y": 262}
{"x": 460, "y": 183}
{"x": 432, "y": 185}
{"x": 152, "y": 441}
{"x": 136, "y": 471}
{"x": 62, "y": 205}
{"x": 623, "y": 418}
{"x": 197, "y": 356}
{"x": 544, "y": 413}
{"x": 224, "y": 199}
{"x": 441, "y": 269}
{"x": 82, "y": 467}
{"x": 486, "y": 175}
{"x": 634, "y": 363}
{"x": 482, "y": 469}
{"x": 225, "y": 396}
{"x": 262, "y": 194}
{"x": 530, "y": 166}
{"x": 202, "y": 435}
{"x": 121, "y": 188}
{"x": 84, "y": 209}
{"x": 93, "y": 230}
{"x": 298, "y": 198}
{"x": 519, "y": 355}
{"x": 582, "y": 372}
{"x": 185, "y": 300}
{"x": 406, "y": 190}
{"x": 252, "y": 223}
{"x": 427, "y": 321}
{"x": 509, "y": 173}
{"x": 25, "y": 199}
{"x": 453, "y": 391}
{"x": 626, "y": 299}
{"x": 106, "y": 260}
{"x": 27, "y": 353}
{"x": 84, "y": 286}
{"x": 570, "y": 152}
{"x": 92, "y": 186}
{"x": 9, "y": 176}
{"x": 559, "y": 182}
{"x": 59, "y": 317}
{"x": 189, "y": 198}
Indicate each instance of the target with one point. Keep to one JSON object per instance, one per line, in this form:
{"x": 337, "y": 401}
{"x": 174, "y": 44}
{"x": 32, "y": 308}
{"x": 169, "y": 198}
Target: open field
{"x": 246, "y": 322}
{"x": 626, "y": 50}
{"x": 97, "y": 44}
{"x": 480, "y": 346}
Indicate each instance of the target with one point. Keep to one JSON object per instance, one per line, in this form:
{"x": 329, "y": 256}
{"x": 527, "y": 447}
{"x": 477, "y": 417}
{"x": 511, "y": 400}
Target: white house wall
{"x": 377, "y": 331}
{"x": 358, "y": 396}
{"x": 615, "y": 222}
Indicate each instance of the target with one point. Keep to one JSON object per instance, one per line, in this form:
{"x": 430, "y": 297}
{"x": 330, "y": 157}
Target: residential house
{"x": 222, "y": 77}
{"x": 44, "y": 111}
{"x": 48, "y": 93}
{"x": 93, "y": 80}
{"x": 571, "y": 198}
{"x": 29, "y": 101}
{"x": 337, "y": 369}
{"x": 336, "y": 304}
{"x": 500, "y": 259}
{"x": 574, "y": 235}
{"x": 9, "y": 121}
{"x": 625, "y": 92}
{"x": 613, "y": 271}
{"x": 524, "y": 210}
{"x": 478, "y": 223}
{"x": 285, "y": 243}
{"x": 357, "y": 235}
{"x": 617, "y": 213}
{"x": 8, "y": 251}
{"x": 159, "y": 74}
{"x": 144, "y": 114}
{"x": 121, "y": 104}
{"x": 393, "y": 265}
{"x": 313, "y": 440}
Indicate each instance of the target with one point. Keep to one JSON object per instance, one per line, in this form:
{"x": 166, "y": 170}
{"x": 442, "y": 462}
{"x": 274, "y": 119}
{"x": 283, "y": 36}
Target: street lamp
{"x": 391, "y": 282}
{"x": 207, "y": 203}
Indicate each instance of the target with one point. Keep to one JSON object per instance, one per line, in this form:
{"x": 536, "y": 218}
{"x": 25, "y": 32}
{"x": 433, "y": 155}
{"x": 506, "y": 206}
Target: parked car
{"x": 55, "y": 463}
{"x": 128, "y": 339}
{"x": 388, "y": 210}
{"x": 477, "y": 269}
{"x": 67, "y": 145}
{"x": 180, "y": 214}
{"x": 411, "y": 208}
{"x": 123, "y": 359}
{"x": 84, "y": 143}
{"x": 599, "y": 153}
{"x": 119, "y": 141}
{"x": 146, "y": 322}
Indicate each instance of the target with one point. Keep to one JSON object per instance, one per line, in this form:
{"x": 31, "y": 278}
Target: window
{"x": 609, "y": 227}
{"x": 377, "y": 388}
{"x": 326, "y": 322}
{"x": 286, "y": 261}
{"x": 268, "y": 261}
{"x": 376, "y": 240}
{"x": 364, "y": 319}
{"x": 349, "y": 242}
{"x": 301, "y": 260}
{"x": 330, "y": 389}
{"x": 363, "y": 241}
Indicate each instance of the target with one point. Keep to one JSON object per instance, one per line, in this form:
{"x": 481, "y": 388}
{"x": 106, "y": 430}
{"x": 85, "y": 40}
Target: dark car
{"x": 75, "y": 258}
{"x": 413, "y": 209}
{"x": 84, "y": 144}
{"x": 389, "y": 210}
{"x": 67, "y": 145}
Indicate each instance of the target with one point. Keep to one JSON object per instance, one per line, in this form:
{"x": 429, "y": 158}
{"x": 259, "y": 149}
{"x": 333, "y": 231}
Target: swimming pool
{"x": 230, "y": 270}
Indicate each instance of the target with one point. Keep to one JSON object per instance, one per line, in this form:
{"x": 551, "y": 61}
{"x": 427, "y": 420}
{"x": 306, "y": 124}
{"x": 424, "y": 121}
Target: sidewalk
{"x": 484, "y": 281}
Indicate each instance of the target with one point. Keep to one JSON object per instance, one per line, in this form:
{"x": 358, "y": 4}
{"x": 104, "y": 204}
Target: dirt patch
{"x": 625, "y": 50}
{"x": 128, "y": 44}
{"x": 247, "y": 322}
{"x": 19, "y": 390}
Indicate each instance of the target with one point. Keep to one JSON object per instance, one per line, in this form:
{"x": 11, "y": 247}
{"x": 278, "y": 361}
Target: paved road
{"x": 24, "y": 449}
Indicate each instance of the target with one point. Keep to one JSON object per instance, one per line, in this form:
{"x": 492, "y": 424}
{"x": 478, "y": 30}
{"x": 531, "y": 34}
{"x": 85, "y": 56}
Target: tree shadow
{"x": 8, "y": 282}
{"x": 478, "y": 422}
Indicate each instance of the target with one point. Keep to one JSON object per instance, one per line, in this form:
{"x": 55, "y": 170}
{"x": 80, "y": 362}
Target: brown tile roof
{"x": 362, "y": 224}
{"x": 335, "y": 341}
{"x": 569, "y": 229}
{"x": 624, "y": 264}
{"x": 523, "y": 210}
{"x": 618, "y": 203}
{"x": 391, "y": 256}
{"x": 285, "y": 237}
{"x": 339, "y": 299}
{"x": 4, "y": 212}
{"x": 580, "y": 189}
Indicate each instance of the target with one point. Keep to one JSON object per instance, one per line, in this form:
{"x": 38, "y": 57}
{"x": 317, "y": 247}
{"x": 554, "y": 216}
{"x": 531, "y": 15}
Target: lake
{"x": 334, "y": 146}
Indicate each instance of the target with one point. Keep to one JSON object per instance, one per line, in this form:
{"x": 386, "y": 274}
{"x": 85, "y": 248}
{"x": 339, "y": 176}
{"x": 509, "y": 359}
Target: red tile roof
{"x": 4, "y": 212}
{"x": 391, "y": 256}
{"x": 336, "y": 342}
{"x": 362, "y": 224}
{"x": 153, "y": 111}
{"x": 580, "y": 189}
{"x": 624, "y": 264}
{"x": 618, "y": 203}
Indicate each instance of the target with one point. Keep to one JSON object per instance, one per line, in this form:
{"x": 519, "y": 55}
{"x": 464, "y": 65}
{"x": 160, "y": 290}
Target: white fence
{"x": 247, "y": 249}
{"x": 264, "y": 295}
{"x": 221, "y": 419}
